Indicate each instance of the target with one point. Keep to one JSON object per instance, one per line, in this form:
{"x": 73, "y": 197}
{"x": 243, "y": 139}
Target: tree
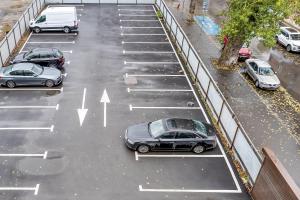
{"x": 246, "y": 19}
{"x": 192, "y": 8}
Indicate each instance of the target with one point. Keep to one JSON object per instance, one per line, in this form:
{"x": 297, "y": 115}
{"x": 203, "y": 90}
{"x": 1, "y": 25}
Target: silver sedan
{"x": 262, "y": 74}
{"x": 24, "y": 74}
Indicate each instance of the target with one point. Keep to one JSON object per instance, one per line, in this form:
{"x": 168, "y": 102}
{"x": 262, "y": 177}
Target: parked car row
{"x": 41, "y": 66}
{"x": 37, "y": 67}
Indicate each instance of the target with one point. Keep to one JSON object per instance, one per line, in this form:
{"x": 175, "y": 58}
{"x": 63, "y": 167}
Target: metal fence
{"x": 222, "y": 112}
{"x": 101, "y": 1}
{"x": 8, "y": 44}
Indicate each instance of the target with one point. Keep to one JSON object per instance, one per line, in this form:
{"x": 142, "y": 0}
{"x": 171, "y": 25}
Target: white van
{"x": 55, "y": 18}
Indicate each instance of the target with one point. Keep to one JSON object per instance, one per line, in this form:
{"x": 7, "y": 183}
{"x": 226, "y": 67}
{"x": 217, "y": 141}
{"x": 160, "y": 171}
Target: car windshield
{"x": 200, "y": 127}
{"x": 266, "y": 71}
{"x": 36, "y": 69}
{"x": 295, "y": 36}
{"x": 26, "y": 55}
{"x": 156, "y": 128}
{"x": 6, "y": 70}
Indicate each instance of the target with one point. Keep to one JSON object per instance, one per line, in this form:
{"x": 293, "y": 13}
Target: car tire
{"x": 67, "y": 29}
{"x": 49, "y": 83}
{"x": 257, "y": 83}
{"x": 198, "y": 149}
{"x": 37, "y": 29}
{"x": 289, "y": 48}
{"x": 10, "y": 84}
{"x": 143, "y": 148}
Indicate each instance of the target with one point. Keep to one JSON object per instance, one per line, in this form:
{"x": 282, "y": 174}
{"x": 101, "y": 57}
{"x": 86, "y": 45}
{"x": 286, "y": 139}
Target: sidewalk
{"x": 269, "y": 119}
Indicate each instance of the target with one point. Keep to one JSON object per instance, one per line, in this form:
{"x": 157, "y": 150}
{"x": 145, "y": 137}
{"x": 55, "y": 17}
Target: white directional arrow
{"x": 104, "y": 100}
{"x": 82, "y": 111}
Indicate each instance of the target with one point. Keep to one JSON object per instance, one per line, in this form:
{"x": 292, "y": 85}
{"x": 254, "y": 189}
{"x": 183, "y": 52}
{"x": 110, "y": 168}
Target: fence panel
{"x": 247, "y": 155}
{"x": 17, "y": 33}
{"x": 4, "y": 51}
{"x": 193, "y": 61}
{"x": 179, "y": 37}
{"x": 11, "y": 41}
{"x": 185, "y": 47}
{"x": 228, "y": 123}
{"x": 22, "y": 25}
{"x": 109, "y": 1}
{"x": 215, "y": 100}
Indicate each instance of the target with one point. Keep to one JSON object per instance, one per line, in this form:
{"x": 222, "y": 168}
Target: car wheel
{"x": 257, "y": 83}
{"x": 198, "y": 149}
{"x": 37, "y": 29}
{"x": 10, "y": 84}
{"x": 289, "y": 48}
{"x": 49, "y": 83}
{"x": 143, "y": 148}
{"x": 67, "y": 29}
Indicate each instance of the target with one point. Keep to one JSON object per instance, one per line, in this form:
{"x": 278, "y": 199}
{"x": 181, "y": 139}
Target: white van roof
{"x": 57, "y": 10}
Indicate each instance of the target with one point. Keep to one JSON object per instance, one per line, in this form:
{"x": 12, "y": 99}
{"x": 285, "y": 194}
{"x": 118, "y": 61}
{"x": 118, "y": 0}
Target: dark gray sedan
{"x": 171, "y": 135}
{"x": 29, "y": 74}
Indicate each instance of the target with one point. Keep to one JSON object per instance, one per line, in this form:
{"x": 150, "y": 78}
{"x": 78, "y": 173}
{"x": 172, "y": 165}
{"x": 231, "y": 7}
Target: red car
{"x": 244, "y": 53}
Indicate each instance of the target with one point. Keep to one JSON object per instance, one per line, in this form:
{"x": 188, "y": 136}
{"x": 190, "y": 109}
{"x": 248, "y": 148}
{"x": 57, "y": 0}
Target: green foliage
{"x": 159, "y": 14}
{"x": 246, "y": 19}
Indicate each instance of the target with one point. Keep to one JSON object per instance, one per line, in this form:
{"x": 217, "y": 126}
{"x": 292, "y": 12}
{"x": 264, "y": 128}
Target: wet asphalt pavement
{"x": 271, "y": 118}
{"x": 46, "y": 154}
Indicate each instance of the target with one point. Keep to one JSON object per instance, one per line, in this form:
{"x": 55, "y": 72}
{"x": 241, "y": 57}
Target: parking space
{"x": 58, "y": 153}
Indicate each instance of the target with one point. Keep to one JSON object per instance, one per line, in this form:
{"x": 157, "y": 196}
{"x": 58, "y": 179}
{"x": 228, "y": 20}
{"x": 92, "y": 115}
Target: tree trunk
{"x": 192, "y": 8}
{"x": 229, "y": 56}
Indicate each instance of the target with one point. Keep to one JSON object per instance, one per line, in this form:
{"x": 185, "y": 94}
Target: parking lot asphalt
{"x": 46, "y": 154}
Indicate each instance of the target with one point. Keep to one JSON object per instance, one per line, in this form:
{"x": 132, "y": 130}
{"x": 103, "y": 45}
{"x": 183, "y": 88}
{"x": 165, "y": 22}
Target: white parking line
{"x": 32, "y": 89}
{"x": 25, "y": 42}
{"x": 140, "y": 27}
{"x": 123, "y": 42}
{"x": 54, "y": 34}
{"x": 177, "y": 156}
{"x": 135, "y": 10}
{"x": 138, "y": 20}
{"x": 35, "y": 189}
{"x": 141, "y": 189}
{"x": 163, "y": 108}
{"x": 204, "y": 113}
{"x": 154, "y": 75}
{"x": 142, "y": 34}
{"x": 152, "y": 63}
{"x": 128, "y": 15}
{"x": 53, "y": 42}
{"x": 28, "y": 128}
{"x": 42, "y": 155}
{"x": 26, "y": 107}
{"x": 148, "y": 52}
{"x": 156, "y": 90}
{"x": 61, "y": 51}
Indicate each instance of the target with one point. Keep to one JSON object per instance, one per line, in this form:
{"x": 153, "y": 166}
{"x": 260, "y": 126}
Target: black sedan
{"x": 47, "y": 57}
{"x": 25, "y": 74}
{"x": 171, "y": 135}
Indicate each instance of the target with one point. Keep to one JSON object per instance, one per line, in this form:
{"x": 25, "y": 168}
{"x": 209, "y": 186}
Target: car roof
{"x": 22, "y": 66}
{"x": 62, "y": 9}
{"x": 260, "y": 62}
{"x": 290, "y": 29}
{"x": 39, "y": 50}
{"x": 179, "y": 124}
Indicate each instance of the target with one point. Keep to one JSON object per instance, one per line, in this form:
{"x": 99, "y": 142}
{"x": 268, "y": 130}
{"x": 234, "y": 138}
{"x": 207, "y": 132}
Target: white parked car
{"x": 56, "y": 18}
{"x": 262, "y": 74}
{"x": 290, "y": 38}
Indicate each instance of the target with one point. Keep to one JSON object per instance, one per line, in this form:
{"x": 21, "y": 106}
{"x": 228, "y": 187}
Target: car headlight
{"x": 130, "y": 141}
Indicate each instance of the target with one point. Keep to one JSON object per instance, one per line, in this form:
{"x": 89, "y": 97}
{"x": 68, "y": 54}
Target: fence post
{"x": 236, "y": 130}
{"x": 20, "y": 28}
{"x": 24, "y": 16}
{"x": 33, "y": 16}
{"x": 206, "y": 93}
{"x": 13, "y": 30}
{"x": 187, "y": 56}
{"x": 7, "y": 44}
{"x": 1, "y": 59}
{"x": 37, "y": 8}
{"x": 219, "y": 116}
{"x": 40, "y": 4}
{"x": 196, "y": 75}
